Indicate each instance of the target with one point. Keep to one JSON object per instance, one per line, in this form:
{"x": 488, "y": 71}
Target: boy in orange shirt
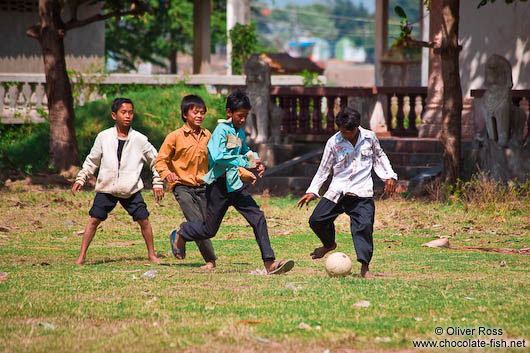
{"x": 183, "y": 161}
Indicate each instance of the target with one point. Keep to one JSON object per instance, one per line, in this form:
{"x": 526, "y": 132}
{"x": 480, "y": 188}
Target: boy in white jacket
{"x": 119, "y": 153}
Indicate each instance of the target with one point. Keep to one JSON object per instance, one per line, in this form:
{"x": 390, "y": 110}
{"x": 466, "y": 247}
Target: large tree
{"x": 50, "y": 32}
{"x": 449, "y": 51}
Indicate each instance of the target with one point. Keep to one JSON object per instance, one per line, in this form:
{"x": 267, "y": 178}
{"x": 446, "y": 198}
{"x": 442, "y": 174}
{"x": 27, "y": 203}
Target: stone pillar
{"x": 381, "y": 36}
{"x": 431, "y": 125}
{"x": 201, "y": 36}
{"x": 237, "y": 11}
{"x": 258, "y": 83}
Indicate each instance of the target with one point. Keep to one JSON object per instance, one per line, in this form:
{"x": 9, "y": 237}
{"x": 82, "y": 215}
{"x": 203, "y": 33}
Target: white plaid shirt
{"x": 352, "y": 166}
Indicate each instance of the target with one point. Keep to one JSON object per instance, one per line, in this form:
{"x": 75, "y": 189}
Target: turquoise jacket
{"x": 223, "y": 158}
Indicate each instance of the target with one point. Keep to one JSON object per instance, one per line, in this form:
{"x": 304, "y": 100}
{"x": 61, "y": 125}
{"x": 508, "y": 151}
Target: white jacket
{"x": 121, "y": 180}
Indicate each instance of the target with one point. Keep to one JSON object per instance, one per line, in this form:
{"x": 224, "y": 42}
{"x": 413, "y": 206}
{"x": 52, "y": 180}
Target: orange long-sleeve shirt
{"x": 185, "y": 154}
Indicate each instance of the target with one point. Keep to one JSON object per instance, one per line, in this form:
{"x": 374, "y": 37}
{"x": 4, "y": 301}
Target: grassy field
{"x": 48, "y": 304}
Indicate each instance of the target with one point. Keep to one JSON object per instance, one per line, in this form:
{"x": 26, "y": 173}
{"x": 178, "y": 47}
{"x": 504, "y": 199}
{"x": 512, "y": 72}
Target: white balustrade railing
{"x": 23, "y": 96}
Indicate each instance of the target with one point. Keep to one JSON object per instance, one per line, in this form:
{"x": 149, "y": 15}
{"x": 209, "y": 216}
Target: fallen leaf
{"x": 259, "y": 272}
{"x": 3, "y": 276}
{"x": 209, "y": 307}
{"x": 4, "y": 236}
{"x": 304, "y": 326}
{"x": 5, "y": 229}
{"x": 250, "y": 322}
{"x": 79, "y": 232}
{"x": 42, "y": 264}
{"x": 362, "y": 304}
{"x": 259, "y": 338}
{"x": 68, "y": 223}
{"x": 149, "y": 274}
{"x": 437, "y": 243}
{"x": 285, "y": 232}
{"x": 293, "y": 287}
{"x": 47, "y": 325}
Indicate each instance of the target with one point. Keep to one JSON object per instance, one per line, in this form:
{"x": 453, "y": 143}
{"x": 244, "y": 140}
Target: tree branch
{"x": 99, "y": 17}
{"x": 420, "y": 43}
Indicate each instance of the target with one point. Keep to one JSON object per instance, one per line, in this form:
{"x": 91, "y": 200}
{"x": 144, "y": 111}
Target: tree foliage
{"x": 159, "y": 34}
{"x": 485, "y": 2}
{"x": 244, "y": 43}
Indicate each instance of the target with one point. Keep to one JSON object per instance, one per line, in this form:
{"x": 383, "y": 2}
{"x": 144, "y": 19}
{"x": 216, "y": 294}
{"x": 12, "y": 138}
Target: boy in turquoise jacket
{"x": 227, "y": 151}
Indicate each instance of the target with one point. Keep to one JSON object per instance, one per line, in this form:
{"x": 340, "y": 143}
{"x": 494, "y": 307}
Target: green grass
{"x": 101, "y": 307}
{"x": 24, "y": 148}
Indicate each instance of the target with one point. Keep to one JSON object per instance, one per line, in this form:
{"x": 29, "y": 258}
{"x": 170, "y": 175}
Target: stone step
{"x": 414, "y": 159}
{"x": 408, "y": 172}
{"x": 282, "y": 185}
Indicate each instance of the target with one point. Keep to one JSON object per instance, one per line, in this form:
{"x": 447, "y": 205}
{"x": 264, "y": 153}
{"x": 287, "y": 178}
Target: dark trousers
{"x": 218, "y": 201}
{"x": 361, "y": 211}
{"x": 192, "y": 202}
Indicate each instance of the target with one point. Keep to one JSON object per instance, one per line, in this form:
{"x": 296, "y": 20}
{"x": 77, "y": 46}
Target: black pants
{"x": 361, "y": 211}
{"x": 218, "y": 201}
{"x": 192, "y": 202}
{"x": 104, "y": 203}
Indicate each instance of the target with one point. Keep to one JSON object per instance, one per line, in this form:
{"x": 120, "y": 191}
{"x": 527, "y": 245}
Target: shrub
{"x": 24, "y": 148}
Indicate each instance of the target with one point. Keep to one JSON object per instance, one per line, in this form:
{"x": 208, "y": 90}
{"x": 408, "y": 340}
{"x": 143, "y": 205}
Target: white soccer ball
{"x": 338, "y": 264}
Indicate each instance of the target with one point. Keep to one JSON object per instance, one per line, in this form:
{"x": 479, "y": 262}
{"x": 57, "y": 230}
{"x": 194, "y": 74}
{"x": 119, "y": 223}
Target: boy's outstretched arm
{"x": 150, "y": 157}
{"x": 91, "y": 164}
{"x": 383, "y": 168}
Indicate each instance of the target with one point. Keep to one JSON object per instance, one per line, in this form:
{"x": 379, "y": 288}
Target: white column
{"x": 237, "y": 11}
{"x": 381, "y": 36}
{"x": 424, "y": 18}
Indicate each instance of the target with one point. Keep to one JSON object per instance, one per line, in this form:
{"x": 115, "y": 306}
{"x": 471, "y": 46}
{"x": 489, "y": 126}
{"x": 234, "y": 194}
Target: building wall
{"x": 496, "y": 28}
{"x": 84, "y": 47}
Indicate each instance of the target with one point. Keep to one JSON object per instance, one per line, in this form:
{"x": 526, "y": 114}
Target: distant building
{"x": 284, "y": 64}
{"x": 346, "y": 50}
{"x": 84, "y": 46}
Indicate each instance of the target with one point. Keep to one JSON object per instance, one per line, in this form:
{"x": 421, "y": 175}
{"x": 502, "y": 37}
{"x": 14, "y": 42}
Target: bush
{"x": 24, "y": 148}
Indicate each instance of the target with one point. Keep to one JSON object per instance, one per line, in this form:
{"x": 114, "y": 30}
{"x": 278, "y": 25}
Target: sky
{"x": 368, "y": 4}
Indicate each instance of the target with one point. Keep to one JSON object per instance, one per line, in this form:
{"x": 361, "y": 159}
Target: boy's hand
{"x": 390, "y": 187}
{"x": 306, "y": 199}
{"x": 76, "y": 188}
{"x": 159, "y": 193}
{"x": 260, "y": 169}
{"x": 172, "y": 178}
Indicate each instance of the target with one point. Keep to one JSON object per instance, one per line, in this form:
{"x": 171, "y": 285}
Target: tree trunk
{"x": 452, "y": 92}
{"x": 63, "y": 143}
{"x": 173, "y": 61}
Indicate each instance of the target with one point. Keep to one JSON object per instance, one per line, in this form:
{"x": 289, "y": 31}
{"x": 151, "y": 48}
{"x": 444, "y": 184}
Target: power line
{"x": 347, "y": 18}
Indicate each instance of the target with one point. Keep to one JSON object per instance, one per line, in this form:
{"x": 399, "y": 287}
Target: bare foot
{"x": 320, "y": 252}
{"x": 365, "y": 271}
{"x": 208, "y": 266}
{"x": 154, "y": 259}
{"x": 80, "y": 260}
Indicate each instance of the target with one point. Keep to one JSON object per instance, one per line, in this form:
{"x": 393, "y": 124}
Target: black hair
{"x": 116, "y": 104}
{"x": 237, "y": 100}
{"x": 348, "y": 118}
{"x": 189, "y": 102}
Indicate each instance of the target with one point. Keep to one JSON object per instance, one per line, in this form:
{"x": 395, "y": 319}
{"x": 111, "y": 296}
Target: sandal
{"x": 177, "y": 252}
{"x": 282, "y": 266}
